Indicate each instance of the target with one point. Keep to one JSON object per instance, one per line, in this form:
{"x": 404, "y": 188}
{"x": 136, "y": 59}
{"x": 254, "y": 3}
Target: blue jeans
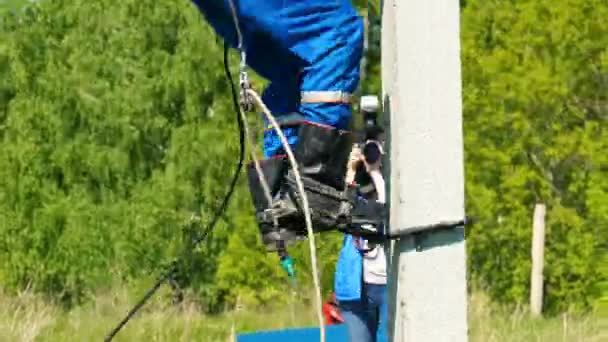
{"x": 366, "y": 319}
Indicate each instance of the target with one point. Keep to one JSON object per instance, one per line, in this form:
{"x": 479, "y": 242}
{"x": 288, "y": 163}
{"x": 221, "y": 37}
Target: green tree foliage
{"x": 535, "y": 101}
{"x": 12, "y": 5}
{"x": 116, "y": 127}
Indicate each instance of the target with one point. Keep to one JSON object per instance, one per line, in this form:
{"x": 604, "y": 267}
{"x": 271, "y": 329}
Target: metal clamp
{"x": 443, "y": 225}
{"x": 416, "y": 231}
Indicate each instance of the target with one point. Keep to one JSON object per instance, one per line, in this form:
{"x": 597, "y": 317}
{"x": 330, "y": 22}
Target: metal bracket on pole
{"x": 431, "y": 227}
{"x": 418, "y": 232}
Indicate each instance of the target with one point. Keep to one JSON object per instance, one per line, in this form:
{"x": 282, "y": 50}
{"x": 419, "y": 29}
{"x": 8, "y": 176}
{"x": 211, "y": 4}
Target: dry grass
{"x": 27, "y": 318}
{"x": 24, "y": 317}
{"x": 489, "y": 323}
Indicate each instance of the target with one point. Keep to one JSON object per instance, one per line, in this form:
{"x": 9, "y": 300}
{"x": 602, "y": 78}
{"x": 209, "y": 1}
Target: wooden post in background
{"x": 538, "y": 251}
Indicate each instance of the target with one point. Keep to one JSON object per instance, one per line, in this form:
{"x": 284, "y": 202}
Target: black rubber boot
{"x": 274, "y": 235}
{"x": 322, "y": 154}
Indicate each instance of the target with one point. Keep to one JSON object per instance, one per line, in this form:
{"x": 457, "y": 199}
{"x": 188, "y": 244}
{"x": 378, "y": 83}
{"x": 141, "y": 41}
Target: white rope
{"x": 258, "y": 169}
{"x": 256, "y": 163}
{"x": 235, "y": 18}
{"x": 292, "y": 160}
{"x": 307, "y": 217}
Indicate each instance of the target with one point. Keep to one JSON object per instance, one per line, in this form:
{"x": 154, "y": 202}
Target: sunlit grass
{"x": 28, "y": 318}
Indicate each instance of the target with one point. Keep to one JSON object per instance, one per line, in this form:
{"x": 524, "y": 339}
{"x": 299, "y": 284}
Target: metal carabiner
{"x": 245, "y": 100}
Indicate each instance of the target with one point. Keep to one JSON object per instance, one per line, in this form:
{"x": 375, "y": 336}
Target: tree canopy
{"x": 116, "y": 126}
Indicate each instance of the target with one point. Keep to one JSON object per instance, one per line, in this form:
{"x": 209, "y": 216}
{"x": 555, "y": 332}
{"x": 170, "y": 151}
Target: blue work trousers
{"x": 366, "y": 319}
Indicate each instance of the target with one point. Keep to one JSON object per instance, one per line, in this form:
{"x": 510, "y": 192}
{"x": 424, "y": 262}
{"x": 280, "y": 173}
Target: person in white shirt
{"x": 364, "y": 307}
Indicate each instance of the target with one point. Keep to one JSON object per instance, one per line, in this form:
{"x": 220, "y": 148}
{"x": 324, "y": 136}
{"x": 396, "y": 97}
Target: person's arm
{"x": 372, "y": 153}
{"x": 354, "y": 159}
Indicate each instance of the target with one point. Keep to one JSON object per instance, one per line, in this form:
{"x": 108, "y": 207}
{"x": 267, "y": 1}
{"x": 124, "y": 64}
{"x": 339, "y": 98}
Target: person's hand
{"x": 355, "y": 157}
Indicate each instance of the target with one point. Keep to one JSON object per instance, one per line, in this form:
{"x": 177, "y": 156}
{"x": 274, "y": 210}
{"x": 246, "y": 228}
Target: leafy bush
{"x": 534, "y": 113}
{"x": 116, "y": 126}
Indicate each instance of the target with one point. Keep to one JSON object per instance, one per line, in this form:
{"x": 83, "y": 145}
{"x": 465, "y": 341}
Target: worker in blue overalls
{"x": 310, "y": 51}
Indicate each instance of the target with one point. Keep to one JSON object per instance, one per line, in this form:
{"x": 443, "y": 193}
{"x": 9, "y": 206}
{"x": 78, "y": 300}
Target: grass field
{"x": 27, "y": 318}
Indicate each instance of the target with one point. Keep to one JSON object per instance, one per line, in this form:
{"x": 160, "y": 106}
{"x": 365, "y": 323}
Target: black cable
{"x": 169, "y": 274}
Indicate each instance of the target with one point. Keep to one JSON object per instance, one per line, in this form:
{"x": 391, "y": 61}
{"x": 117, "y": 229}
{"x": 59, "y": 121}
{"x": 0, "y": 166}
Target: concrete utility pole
{"x": 422, "y": 102}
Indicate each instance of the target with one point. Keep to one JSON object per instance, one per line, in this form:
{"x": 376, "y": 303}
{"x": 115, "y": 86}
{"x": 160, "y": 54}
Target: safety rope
{"x": 305, "y": 206}
{"x": 248, "y": 94}
{"x": 259, "y": 171}
{"x": 258, "y": 168}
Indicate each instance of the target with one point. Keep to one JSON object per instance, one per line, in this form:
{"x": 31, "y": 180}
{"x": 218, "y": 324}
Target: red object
{"x": 332, "y": 314}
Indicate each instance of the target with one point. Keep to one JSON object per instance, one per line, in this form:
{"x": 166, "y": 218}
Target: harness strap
{"x": 294, "y": 119}
{"x": 288, "y": 119}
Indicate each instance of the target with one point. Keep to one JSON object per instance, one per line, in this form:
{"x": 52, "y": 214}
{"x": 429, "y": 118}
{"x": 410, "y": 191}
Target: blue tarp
{"x": 298, "y": 45}
{"x": 334, "y": 333}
